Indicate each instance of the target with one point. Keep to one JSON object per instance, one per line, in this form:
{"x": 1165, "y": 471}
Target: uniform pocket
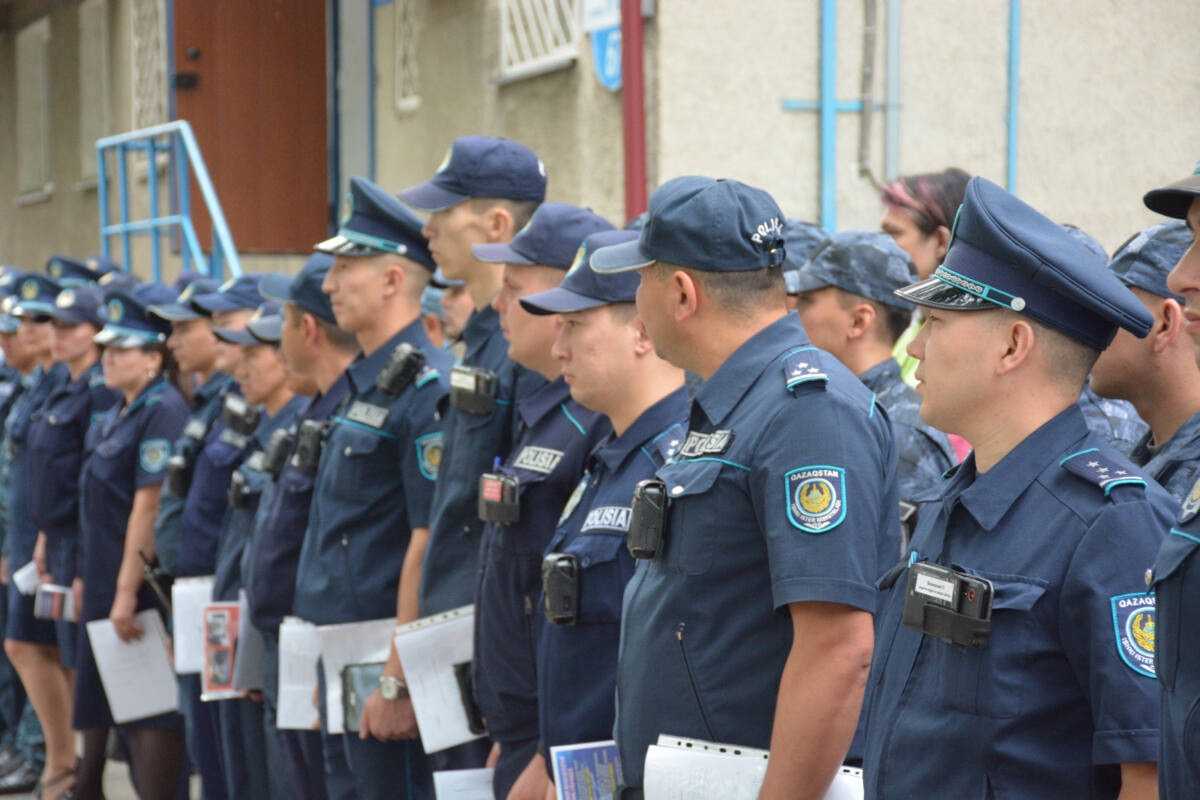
{"x": 691, "y": 536}
{"x": 600, "y": 577}
{"x": 1171, "y": 571}
{"x": 356, "y": 462}
{"x": 992, "y": 681}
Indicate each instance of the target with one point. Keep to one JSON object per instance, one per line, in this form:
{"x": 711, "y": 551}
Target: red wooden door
{"x": 250, "y": 77}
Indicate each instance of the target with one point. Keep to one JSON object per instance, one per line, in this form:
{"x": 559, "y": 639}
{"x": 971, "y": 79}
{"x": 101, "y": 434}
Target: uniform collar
{"x": 281, "y": 418}
{"x": 215, "y": 385}
{"x": 720, "y": 393}
{"x": 881, "y": 376}
{"x": 322, "y": 405}
{"x": 154, "y": 387}
{"x": 989, "y": 496}
{"x": 1184, "y": 444}
{"x": 481, "y": 325}
{"x": 365, "y": 369}
{"x": 542, "y": 400}
{"x": 671, "y": 409}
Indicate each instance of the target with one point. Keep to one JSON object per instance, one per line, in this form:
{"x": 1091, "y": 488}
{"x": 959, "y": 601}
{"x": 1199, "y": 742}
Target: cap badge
{"x": 93, "y": 264}
{"x": 227, "y": 285}
{"x": 541, "y": 168}
{"x": 771, "y": 228}
{"x": 29, "y": 289}
{"x": 445, "y": 161}
{"x": 578, "y": 262}
{"x": 116, "y": 310}
{"x": 55, "y": 269}
{"x": 65, "y": 299}
{"x": 186, "y": 295}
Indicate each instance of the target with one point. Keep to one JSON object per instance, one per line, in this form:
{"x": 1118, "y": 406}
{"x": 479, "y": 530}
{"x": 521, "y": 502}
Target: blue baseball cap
{"x": 10, "y": 277}
{"x": 709, "y": 224}
{"x": 439, "y": 280}
{"x": 1147, "y": 257}
{"x": 431, "y": 301}
{"x": 865, "y": 263}
{"x": 69, "y": 272}
{"x": 481, "y": 166}
{"x": 35, "y": 296}
{"x": 801, "y": 239}
{"x": 77, "y": 305}
{"x": 583, "y": 287}
{"x": 181, "y": 309}
{"x": 1004, "y": 254}
{"x": 304, "y": 289}
{"x": 1174, "y": 199}
{"x": 265, "y": 327}
{"x": 550, "y": 238}
{"x": 128, "y": 323}
{"x": 117, "y": 281}
{"x": 236, "y": 294}
{"x": 378, "y": 223}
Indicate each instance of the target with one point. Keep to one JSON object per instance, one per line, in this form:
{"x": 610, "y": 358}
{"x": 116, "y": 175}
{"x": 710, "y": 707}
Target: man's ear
{"x": 498, "y": 224}
{"x": 309, "y": 323}
{"x": 641, "y": 340}
{"x": 943, "y": 241}
{"x": 862, "y": 319}
{"x": 1016, "y": 343}
{"x": 686, "y": 295}
{"x": 1169, "y": 324}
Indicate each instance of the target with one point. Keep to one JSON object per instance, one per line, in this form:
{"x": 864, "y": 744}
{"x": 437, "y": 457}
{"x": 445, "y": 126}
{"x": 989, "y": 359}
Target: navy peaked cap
{"x": 378, "y": 223}
{"x": 481, "y": 166}
{"x": 583, "y": 287}
{"x": 551, "y": 238}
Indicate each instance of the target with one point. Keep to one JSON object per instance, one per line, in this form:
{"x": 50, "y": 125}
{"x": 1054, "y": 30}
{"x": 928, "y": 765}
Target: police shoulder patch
{"x": 803, "y": 366}
{"x": 429, "y": 454}
{"x": 153, "y": 454}
{"x": 815, "y": 497}
{"x": 1191, "y": 503}
{"x": 1102, "y": 470}
{"x": 1133, "y": 626}
{"x": 429, "y": 375}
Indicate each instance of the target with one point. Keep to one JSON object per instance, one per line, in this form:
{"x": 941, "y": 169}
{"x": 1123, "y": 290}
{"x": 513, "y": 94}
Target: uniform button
{"x": 1149, "y": 577}
{"x": 347, "y": 451}
{"x": 345, "y": 541}
{"x": 676, "y": 490}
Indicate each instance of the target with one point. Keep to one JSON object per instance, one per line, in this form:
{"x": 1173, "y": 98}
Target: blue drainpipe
{"x": 1014, "y": 90}
{"x": 828, "y": 112}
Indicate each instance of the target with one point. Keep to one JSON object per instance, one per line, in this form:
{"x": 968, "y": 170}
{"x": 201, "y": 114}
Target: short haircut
{"x": 623, "y": 313}
{"x": 338, "y": 338}
{"x": 895, "y": 320}
{"x": 521, "y": 211}
{"x": 1070, "y": 361}
{"x": 737, "y": 292}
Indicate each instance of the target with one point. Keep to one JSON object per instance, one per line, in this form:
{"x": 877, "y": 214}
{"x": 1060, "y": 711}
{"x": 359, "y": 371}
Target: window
{"x": 406, "y": 93}
{"x": 33, "y": 112}
{"x": 94, "y": 96}
{"x": 536, "y": 37}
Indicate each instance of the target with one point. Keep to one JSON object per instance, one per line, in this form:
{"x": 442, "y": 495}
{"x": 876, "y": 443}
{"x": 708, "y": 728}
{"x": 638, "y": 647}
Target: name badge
{"x": 367, "y": 414}
{"x": 233, "y": 438}
{"x": 255, "y": 461}
{"x": 538, "y": 459}
{"x": 706, "y": 444}
{"x": 462, "y": 379}
{"x": 195, "y": 429}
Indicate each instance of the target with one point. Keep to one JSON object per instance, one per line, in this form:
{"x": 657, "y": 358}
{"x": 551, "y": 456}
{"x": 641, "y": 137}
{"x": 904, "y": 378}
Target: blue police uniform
{"x": 1117, "y": 421}
{"x": 128, "y": 450}
{"x": 1061, "y": 692}
{"x": 577, "y": 664}
{"x": 1176, "y": 581}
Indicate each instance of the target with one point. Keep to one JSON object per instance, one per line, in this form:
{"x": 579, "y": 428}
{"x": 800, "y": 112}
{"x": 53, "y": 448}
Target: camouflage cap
{"x": 866, "y": 263}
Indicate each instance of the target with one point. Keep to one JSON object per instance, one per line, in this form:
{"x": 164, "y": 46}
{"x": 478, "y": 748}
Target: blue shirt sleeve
{"x": 164, "y": 424}
{"x": 423, "y": 455}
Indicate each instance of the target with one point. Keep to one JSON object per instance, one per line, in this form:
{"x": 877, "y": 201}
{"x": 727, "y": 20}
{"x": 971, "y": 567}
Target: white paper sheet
{"x": 352, "y": 643}
{"x": 429, "y": 649}
{"x": 136, "y": 676}
{"x": 189, "y": 596}
{"x": 248, "y": 668}
{"x": 463, "y": 784}
{"x": 26, "y": 579}
{"x": 691, "y": 769}
{"x": 299, "y": 652}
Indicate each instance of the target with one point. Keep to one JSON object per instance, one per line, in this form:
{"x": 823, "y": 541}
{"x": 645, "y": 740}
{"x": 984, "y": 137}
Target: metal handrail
{"x": 180, "y": 144}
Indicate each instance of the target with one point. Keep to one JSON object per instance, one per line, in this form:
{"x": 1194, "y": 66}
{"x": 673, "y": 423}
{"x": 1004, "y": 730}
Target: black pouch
{"x": 560, "y": 588}
{"x": 240, "y": 416}
{"x": 473, "y": 390}
{"x": 310, "y": 439}
{"x": 648, "y": 519}
{"x": 279, "y": 447}
{"x": 466, "y": 691}
{"x": 402, "y": 368}
{"x": 239, "y": 490}
{"x": 499, "y": 498}
{"x": 160, "y": 582}
{"x": 948, "y": 604}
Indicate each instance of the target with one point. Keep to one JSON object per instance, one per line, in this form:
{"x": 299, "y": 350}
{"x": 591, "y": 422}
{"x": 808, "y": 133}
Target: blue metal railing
{"x": 176, "y": 140}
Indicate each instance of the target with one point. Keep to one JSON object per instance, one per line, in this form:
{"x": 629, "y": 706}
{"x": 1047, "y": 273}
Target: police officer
{"x": 317, "y": 352}
{"x": 801, "y": 239}
{"x": 485, "y": 191}
{"x": 610, "y": 366}
{"x": 749, "y": 619}
{"x": 848, "y": 306}
{"x": 56, "y": 453}
{"x": 268, "y": 404}
{"x": 127, "y": 460}
{"x": 1176, "y": 573}
{"x": 1158, "y": 374}
{"x": 1016, "y": 641}
{"x": 29, "y": 641}
{"x": 521, "y": 500}
{"x": 378, "y": 462}
{"x": 204, "y": 485}
{"x": 70, "y": 272}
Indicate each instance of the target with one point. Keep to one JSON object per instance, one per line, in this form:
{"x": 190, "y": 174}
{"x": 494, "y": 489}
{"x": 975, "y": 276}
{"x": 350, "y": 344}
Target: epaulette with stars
{"x": 802, "y": 366}
{"x": 428, "y": 375}
{"x": 1101, "y": 470}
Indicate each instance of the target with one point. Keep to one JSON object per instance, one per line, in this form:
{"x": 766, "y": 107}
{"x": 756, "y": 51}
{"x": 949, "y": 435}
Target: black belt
{"x": 630, "y": 793}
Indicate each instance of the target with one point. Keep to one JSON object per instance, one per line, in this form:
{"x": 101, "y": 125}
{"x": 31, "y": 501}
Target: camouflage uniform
{"x": 1115, "y": 420}
{"x": 1176, "y": 464}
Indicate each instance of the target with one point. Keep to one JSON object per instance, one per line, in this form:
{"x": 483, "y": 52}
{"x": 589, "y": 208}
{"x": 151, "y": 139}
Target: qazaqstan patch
{"x": 429, "y": 454}
{"x": 1133, "y": 626}
{"x": 153, "y": 455}
{"x": 816, "y": 497}
{"x": 1191, "y": 503}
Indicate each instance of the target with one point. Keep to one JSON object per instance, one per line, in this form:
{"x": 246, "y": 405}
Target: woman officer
{"x": 56, "y": 450}
{"x": 119, "y": 487}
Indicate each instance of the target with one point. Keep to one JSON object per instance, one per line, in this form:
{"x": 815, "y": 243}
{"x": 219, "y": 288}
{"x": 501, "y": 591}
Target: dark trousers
{"x": 203, "y": 737}
{"x": 388, "y": 770}
{"x": 299, "y": 752}
{"x": 339, "y": 782}
{"x": 514, "y": 758}
{"x": 244, "y": 750}
{"x": 472, "y": 755}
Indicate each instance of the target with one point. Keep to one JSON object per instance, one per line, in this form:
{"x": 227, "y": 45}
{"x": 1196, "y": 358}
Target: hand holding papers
{"x": 136, "y": 675}
{"x": 435, "y": 653}
{"x": 299, "y": 652}
{"x": 188, "y": 598}
{"x": 352, "y": 643}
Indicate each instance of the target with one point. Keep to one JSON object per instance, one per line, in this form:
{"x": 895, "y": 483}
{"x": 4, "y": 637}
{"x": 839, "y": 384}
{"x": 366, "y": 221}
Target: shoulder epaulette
{"x": 1101, "y": 469}
{"x": 428, "y": 376}
{"x": 803, "y": 366}
{"x": 667, "y": 443}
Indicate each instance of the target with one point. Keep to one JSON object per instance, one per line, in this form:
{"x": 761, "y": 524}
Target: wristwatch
{"x": 392, "y": 688}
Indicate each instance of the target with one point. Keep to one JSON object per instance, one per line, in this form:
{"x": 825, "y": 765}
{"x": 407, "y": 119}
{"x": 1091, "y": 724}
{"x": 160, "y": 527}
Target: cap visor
{"x": 936, "y": 294}
{"x": 276, "y": 287}
{"x": 32, "y": 308}
{"x": 1174, "y": 200}
{"x": 341, "y": 246}
{"x": 123, "y": 339}
{"x": 559, "y": 301}
{"x": 174, "y": 312}
{"x": 620, "y": 258}
{"x": 71, "y": 316}
{"x": 498, "y": 254}
{"x": 215, "y": 303}
{"x": 234, "y": 336}
{"x": 428, "y": 196}
{"x": 801, "y": 281}
{"x": 9, "y": 324}
{"x": 266, "y": 330}
{"x": 439, "y": 280}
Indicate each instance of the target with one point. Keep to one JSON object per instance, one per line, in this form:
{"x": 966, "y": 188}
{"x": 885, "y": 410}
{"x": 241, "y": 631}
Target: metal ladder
{"x": 176, "y": 140}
